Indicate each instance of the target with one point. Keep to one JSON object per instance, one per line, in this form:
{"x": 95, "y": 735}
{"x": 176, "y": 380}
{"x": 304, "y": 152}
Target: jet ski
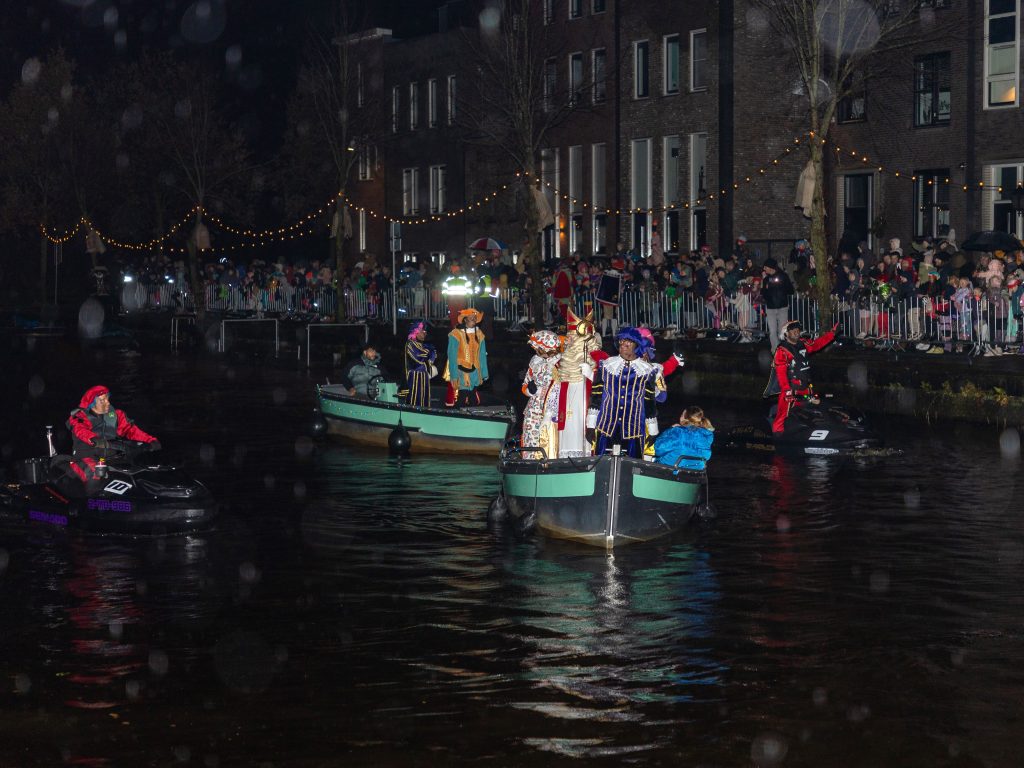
{"x": 812, "y": 429}
{"x": 134, "y": 495}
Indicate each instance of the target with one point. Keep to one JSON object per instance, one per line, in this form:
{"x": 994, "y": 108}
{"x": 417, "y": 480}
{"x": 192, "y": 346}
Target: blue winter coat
{"x": 684, "y": 441}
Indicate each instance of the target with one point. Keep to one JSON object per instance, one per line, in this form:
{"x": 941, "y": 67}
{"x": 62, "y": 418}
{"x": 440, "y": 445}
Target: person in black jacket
{"x": 776, "y": 288}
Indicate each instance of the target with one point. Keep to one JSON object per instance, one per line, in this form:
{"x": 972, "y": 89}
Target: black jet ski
{"x": 136, "y": 497}
{"x": 822, "y": 429}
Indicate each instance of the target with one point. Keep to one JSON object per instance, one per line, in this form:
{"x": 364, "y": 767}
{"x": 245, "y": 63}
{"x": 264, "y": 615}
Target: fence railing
{"x": 970, "y": 321}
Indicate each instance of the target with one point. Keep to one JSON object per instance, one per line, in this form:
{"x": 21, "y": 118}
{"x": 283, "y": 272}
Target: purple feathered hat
{"x": 416, "y": 328}
{"x": 628, "y": 333}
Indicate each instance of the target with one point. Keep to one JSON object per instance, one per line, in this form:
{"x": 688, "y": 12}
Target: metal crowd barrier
{"x": 966, "y": 321}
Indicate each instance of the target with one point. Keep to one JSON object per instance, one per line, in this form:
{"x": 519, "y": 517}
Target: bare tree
{"x": 514, "y": 103}
{"x": 34, "y": 193}
{"x": 836, "y": 46}
{"x": 205, "y": 158}
{"x": 334, "y": 112}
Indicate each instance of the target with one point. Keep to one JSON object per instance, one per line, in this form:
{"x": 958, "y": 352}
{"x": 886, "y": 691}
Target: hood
{"x": 91, "y": 394}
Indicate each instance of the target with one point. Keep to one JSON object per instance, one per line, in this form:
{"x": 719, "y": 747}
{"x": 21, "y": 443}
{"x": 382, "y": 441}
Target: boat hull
{"x": 481, "y": 430}
{"x": 606, "y": 501}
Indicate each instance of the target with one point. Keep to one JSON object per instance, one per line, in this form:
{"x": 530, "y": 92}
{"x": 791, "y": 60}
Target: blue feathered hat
{"x": 628, "y": 333}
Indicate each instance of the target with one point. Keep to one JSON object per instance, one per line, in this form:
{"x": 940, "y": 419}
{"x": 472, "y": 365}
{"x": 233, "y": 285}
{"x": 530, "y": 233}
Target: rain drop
{"x": 248, "y": 573}
{"x": 304, "y": 446}
{"x": 116, "y": 629}
{"x": 120, "y": 39}
{"x": 131, "y": 118}
{"x": 158, "y": 663}
{"x": 857, "y": 375}
{"x": 879, "y": 581}
{"x": 279, "y": 396}
{"x": 300, "y": 490}
{"x": 782, "y": 524}
{"x": 91, "y": 317}
{"x": 820, "y": 697}
{"x": 490, "y": 20}
{"x": 122, "y": 161}
{"x": 66, "y": 92}
{"x": 133, "y": 689}
{"x": 30, "y": 71}
{"x": 233, "y": 56}
{"x": 5, "y": 560}
{"x": 183, "y": 109}
{"x": 182, "y": 754}
{"x": 207, "y": 453}
{"x": 110, "y": 17}
{"x": 22, "y": 683}
{"x": 768, "y": 749}
{"x": 36, "y": 387}
{"x": 1009, "y": 444}
{"x": 912, "y": 498}
{"x": 269, "y": 482}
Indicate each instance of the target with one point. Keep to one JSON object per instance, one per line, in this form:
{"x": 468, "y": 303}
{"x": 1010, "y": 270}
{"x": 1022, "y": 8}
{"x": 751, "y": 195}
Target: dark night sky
{"x": 256, "y": 45}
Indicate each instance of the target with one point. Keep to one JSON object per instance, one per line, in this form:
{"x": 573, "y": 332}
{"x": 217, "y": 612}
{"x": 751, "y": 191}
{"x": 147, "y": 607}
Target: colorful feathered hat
{"x": 632, "y": 334}
{"x": 476, "y": 314}
{"x": 545, "y": 341}
{"x": 416, "y": 327}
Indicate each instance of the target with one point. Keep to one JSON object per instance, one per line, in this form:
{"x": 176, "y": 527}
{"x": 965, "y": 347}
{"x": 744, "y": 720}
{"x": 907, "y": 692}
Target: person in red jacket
{"x": 793, "y": 369}
{"x": 94, "y": 424}
{"x": 562, "y": 290}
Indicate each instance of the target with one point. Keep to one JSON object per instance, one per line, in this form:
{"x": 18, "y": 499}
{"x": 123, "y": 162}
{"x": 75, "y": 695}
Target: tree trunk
{"x": 532, "y": 256}
{"x": 341, "y": 248}
{"x": 198, "y": 290}
{"x": 822, "y": 291}
{"x": 43, "y": 259}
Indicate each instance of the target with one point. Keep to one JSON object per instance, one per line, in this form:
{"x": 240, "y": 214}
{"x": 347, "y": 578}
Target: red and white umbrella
{"x": 487, "y": 244}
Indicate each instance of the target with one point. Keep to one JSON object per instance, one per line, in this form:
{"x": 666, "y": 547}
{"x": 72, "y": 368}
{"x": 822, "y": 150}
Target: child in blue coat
{"x": 692, "y": 438}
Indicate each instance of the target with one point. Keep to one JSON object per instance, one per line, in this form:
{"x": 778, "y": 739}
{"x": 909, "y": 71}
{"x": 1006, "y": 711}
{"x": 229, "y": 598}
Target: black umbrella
{"x": 991, "y": 240}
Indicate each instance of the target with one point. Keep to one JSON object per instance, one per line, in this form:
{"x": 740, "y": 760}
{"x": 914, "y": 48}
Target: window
{"x": 852, "y": 108}
{"x": 598, "y": 6}
{"x": 698, "y": 59}
{"x": 438, "y": 189}
{"x": 855, "y": 205}
{"x": 597, "y": 198}
{"x": 575, "y": 193}
{"x": 396, "y": 98}
{"x": 671, "y": 57}
{"x": 367, "y": 161}
{"x": 698, "y": 189}
{"x": 997, "y": 209}
{"x": 931, "y": 202}
{"x": 1002, "y": 67}
{"x": 937, "y": 4}
{"x": 599, "y": 65}
{"x": 362, "y": 230}
{"x": 414, "y": 106}
{"x": 575, "y": 9}
{"x": 360, "y": 93}
{"x": 575, "y": 78}
{"x": 641, "y": 67}
{"x": 432, "y": 103}
{"x": 670, "y": 192}
{"x": 451, "y": 99}
{"x": 640, "y": 198}
{"x": 931, "y": 90}
{"x": 550, "y": 73}
{"x": 549, "y": 11}
{"x": 410, "y": 195}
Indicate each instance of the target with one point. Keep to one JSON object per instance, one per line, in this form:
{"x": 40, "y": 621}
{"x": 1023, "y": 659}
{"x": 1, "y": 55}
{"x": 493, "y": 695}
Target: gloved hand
{"x": 789, "y": 394}
{"x": 531, "y": 388}
{"x": 153, "y": 446}
{"x": 591, "y": 435}
{"x": 679, "y": 359}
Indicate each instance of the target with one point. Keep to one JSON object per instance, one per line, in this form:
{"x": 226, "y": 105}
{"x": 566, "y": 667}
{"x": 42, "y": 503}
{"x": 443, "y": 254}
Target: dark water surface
{"x": 354, "y": 610}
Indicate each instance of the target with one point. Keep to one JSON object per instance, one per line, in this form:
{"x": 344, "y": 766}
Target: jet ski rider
{"x": 94, "y": 424}
{"x": 793, "y": 370}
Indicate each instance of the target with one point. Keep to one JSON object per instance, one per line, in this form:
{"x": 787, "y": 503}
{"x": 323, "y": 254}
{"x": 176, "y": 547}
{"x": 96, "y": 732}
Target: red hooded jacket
{"x": 87, "y": 426}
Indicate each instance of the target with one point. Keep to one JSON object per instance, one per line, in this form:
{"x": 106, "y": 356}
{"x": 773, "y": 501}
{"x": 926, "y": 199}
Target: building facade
{"x": 688, "y": 120}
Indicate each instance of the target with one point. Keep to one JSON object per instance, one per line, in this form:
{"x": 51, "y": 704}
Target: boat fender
{"x": 318, "y": 426}
{"x": 706, "y": 511}
{"x": 399, "y": 441}
{"x": 524, "y": 526}
{"x": 497, "y": 509}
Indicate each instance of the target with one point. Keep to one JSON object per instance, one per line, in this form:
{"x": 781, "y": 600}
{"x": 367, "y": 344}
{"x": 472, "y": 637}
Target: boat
{"x": 823, "y": 429}
{"x": 135, "y": 498}
{"x": 604, "y": 501}
{"x": 480, "y": 429}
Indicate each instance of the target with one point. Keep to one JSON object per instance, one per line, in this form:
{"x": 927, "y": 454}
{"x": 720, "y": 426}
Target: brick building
{"x": 683, "y": 121}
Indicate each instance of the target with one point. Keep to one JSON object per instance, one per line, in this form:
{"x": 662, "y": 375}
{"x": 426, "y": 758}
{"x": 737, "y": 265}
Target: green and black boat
{"x": 605, "y": 501}
{"x": 482, "y": 429}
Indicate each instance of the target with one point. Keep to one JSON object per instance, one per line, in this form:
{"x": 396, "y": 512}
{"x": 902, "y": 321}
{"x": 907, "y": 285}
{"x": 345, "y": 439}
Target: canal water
{"x": 351, "y": 609}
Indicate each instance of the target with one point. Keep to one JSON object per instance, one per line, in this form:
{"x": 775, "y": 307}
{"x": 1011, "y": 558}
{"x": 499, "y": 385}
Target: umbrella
{"x": 991, "y": 240}
{"x": 487, "y": 244}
